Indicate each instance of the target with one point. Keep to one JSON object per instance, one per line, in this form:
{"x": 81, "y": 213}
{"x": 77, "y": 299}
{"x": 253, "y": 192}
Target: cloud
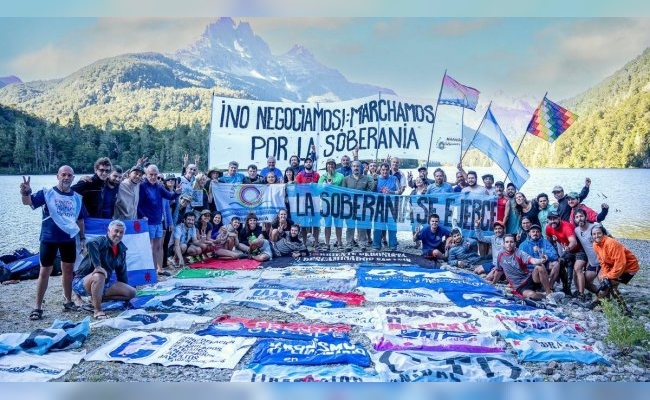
{"x": 108, "y": 37}
{"x": 463, "y": 27}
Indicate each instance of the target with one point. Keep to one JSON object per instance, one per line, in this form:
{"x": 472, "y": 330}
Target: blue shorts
{"x": 155, "y": 231}
{"x": 78, "y": 285}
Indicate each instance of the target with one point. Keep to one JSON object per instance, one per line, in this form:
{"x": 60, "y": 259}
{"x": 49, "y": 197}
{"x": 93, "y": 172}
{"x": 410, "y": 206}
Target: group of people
{"x": 535, "y": 244}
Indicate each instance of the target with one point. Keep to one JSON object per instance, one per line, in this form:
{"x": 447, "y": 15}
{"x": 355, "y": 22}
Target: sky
{"x": 508, "y": 48}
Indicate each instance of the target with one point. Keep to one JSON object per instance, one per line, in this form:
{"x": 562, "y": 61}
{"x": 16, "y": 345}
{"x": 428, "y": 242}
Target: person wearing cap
{"x": 271, "y": 169}
{"x": 423, "y": 173}
{"x": 439, "y": 184}
{"x": 512, "y": 262}
{"x": 128, "y": 196}
{"x": 231, "y": 175}
{"x": 184, "y": 204}
{"x": 472, "y": 186}
{"x": 357, "y": 181}
{"x": 488, "y": 183}
{"x": 544, "y": 208}
{"x": 331, "y": 177}
{"x": 433, "y": 238}
{"x": 561, "y": 234}
{"x": 573, "y": 199}
{"x": 496, "y": 245}
{"x": 536, "y": 245}
{"x": 463, "y": 252}
{"x": 562, "y": 205}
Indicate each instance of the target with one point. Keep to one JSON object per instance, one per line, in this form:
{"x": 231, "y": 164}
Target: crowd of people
{"x": 537, "y": 243}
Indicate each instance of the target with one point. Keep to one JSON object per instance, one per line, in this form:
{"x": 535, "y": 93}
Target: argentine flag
{"x": 139, "y": 260}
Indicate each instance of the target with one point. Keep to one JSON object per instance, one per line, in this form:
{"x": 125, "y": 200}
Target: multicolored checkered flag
{"x": 550, "y": 120}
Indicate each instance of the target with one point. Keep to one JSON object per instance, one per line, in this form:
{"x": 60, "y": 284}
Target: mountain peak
{"x": 8, "y": 80}
{"x": 300, "y": 51}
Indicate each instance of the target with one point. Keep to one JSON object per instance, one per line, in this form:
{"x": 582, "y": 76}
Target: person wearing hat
{"x": 423, "y": 173}
{"x": 496, "y": 245}
{"x": 439, "y": 184}
{"x": 573, "y": 199}
{"x": 128, "y": 196}
{"x": 488, "y": 183}
{"x": 184, "y": 203}
{"x": 536, "y": 245}
{"x": 331, "y": 177}
{"x": 562, "y": 206}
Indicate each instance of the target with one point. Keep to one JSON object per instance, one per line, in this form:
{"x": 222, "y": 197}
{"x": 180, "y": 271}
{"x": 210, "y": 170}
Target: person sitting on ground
{"x": 186, "y": 242}
{"x": 204, "y": 232}
{"x": 289, "y": 244}
{"x": 102, "y": 274}
{"x": 223, "y": 244}
{"x": 536, "y": 245}
{"x": 433, "y": 238}
{"x": 281, "y": 223}
{"x": 250, "y": 232}
{"x": 217, "y": 223}
{"x": 512, "y": 262}
{"x": 463, "y": 252}
{"x": 617, "y": 265}
{"x": 496, "y": 245}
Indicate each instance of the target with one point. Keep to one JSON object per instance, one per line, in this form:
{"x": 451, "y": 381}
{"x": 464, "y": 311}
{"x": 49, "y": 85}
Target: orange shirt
{"x": 615, "y": 259}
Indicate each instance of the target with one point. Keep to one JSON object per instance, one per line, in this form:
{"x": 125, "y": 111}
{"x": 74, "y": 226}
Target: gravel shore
{"x": 629, "y": 365}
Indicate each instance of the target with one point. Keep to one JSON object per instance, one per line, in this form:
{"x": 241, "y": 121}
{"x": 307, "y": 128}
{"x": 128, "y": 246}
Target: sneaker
{"x": 348, "y": 249}
{"x": 554, "y": 298}
{"x": 70, "y": 306}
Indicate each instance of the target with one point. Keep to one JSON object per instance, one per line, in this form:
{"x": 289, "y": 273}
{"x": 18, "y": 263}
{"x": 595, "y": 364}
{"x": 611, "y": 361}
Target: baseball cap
{"x": 330, "y": 161}
{"x": 573, "y": 195}
{"x": 487, "y": 176}
{"x": 170, "y": 177}
{"x": 137, "y": 168}
{"x": 511, "y": 184}
{"x": 422, "y": 168}
{"x": 498, "y": 223}
{"x": 557, "y": 188}
{"x": 553, "y": 214}
{"x": 498, "y": 183}
{"x": 309, "y": 158}
{"x": 206, "y": 212}
{"x": 186, "y": 197}
{"x": 535, "y": 226}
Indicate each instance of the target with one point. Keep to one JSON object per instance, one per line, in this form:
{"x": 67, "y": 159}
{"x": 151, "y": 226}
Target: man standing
{"x": 102, "y": 274}
{"x": 423, "y": 173}
{"x": 399, "y": 175}
{"x": 563, "y": 208}
{"x": 232, "y": 176}
{"x": 357, "y": 181}
{"x": 573, "y": 199}
{"x": 512, "y": 262}
{"x": 473, "y": 187}
{"x": 307, "y": 176}
{"x": 63, "y": 214}
{"x": 126, "y": 205}
{"x": 331, "y": 177}
{"x": 92, "y": 190}
{"x": 583, "y": 235}
{"x": 253, "y": 177}
{"x": 439, "y": 185}
{"x": 488, "y": 182}
{"x": 345, "y": 169}
{"x": 512, "y": 218}
{"x": 544, "y": 209}
{"x": 150, "y": 207}
{"x": 110, "y": 191}
{"x": 271, "y": 169}
{"x": 433, "y": 238}
{"x": 386, "y": 184}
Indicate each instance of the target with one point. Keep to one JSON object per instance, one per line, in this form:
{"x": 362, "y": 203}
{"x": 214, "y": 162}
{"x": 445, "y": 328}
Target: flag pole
{"x": 435, "y": 116}
{"x": 476, "y": 132}
{"x": 522, "y": 141}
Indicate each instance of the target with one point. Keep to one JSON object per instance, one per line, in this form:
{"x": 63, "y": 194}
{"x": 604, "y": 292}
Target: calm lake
{"x": 629, "y": 214}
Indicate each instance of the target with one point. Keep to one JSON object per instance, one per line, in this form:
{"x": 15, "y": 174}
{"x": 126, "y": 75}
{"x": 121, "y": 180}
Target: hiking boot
{"x": 554, "y": 298}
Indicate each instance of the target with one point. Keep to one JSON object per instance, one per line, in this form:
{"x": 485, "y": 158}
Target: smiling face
{"x": 216, "y": 219}
{"x": 597, "y": 234}
{"x": 580, "y": 219}
{"x": 251, "y": 222}
{"x": 65, "y": 176}
{"x": 554, "y": 222}
{"x": 535, "y": 233}
{"x": 152, "y": 174}
{"x": 525, "y": 224}
{"x": 439, "y": 177}
{"x": 383, "y": 171}
{"x": 471, "y": 179}
{"x": 271, "y": 178}
{"x": 558, "y": 194}
{"x": 115, "y": 233}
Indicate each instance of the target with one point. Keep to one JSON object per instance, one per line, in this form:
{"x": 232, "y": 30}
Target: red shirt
{"x": 562, "y": 234}
{"x": 307, "y": 177}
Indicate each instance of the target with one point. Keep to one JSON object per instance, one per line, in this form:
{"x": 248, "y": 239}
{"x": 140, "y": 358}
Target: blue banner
{"x": 315, "y": 352}
{"x": 311, "y": 203}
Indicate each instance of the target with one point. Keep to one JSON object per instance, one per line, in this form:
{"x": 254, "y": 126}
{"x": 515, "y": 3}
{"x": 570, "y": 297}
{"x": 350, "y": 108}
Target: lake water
{"x": 629, "y": 214}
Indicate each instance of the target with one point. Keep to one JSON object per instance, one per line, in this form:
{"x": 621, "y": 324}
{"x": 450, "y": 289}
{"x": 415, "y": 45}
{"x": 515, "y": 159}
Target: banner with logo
{"x": 240, "y": 200}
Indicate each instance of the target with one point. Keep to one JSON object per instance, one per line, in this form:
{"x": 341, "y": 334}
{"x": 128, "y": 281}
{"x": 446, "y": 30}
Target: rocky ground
{"x": 630, "y": 364}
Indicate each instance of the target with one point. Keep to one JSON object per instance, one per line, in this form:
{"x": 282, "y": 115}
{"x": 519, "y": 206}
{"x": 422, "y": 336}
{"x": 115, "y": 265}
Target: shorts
{"x": 428, "y": 252}
{"x": 266, "y": 249}
{"x": 487, "y": 267}
{"x": 155, "y": 231}
{"x": 591, "y": 268}
{"x": 78, "y": 285}
{"x": 625, "y": 278}
{"x": 48, "y": 251}
{"x": 529, "y": 284}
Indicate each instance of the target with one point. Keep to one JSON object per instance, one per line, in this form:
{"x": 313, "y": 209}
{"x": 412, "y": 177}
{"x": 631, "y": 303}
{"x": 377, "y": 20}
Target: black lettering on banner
{"x": 234, "y": 118}
{"x": 368, "y": 208}
{"x": 325, "y": 204}
{"x": 449, "y": 203}
{"x": 273, "y": 147}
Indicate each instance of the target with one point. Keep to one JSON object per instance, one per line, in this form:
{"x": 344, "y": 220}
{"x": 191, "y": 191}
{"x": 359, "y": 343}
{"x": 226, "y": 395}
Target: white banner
{"x": 25, "y": 367}
{"x": 240, "y": 200}
{"x": 249, "y": 131}
{"x": 140, "y": 347}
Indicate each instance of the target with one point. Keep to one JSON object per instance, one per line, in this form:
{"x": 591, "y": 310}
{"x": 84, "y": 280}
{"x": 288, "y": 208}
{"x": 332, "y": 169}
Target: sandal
{"x": 70, "y": 306}
{"x": 164, "y": 273}
{"x": 36, "y": 314}
{"x": 99, "y": 315}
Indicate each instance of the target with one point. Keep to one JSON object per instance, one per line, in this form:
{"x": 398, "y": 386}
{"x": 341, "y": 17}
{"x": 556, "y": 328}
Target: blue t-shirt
{"x": 432, "y": 240}
{"x": 50, "y": 231}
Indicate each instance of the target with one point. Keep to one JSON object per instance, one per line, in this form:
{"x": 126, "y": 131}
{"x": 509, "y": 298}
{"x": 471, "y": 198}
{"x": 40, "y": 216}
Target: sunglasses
{"x": 160, "y": 178}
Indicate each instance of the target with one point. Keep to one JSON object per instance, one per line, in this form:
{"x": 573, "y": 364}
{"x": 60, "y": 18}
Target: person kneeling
{"x": 102, "y": 274}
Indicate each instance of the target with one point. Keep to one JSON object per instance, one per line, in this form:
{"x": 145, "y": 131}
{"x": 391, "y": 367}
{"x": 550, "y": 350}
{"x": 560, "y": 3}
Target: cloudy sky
{"x": 506, "y": 49}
